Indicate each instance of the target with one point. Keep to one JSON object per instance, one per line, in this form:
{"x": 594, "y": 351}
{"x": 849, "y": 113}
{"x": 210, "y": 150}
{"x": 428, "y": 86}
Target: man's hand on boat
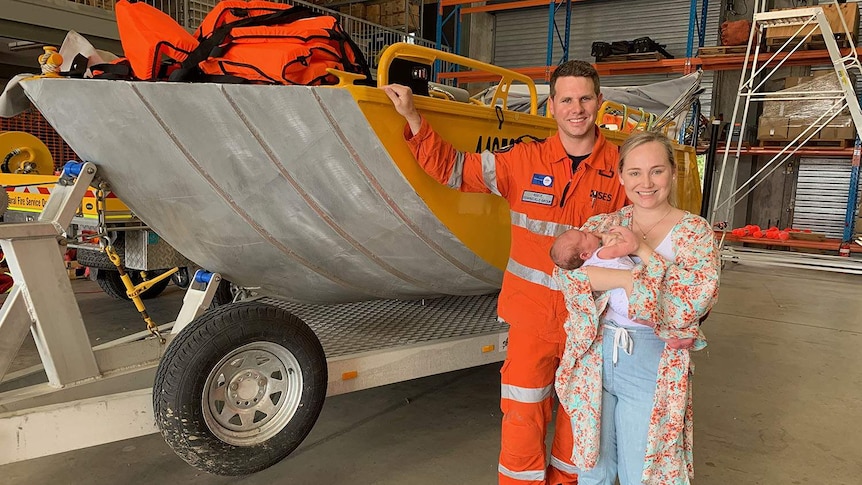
{"x": 402, "y": 99}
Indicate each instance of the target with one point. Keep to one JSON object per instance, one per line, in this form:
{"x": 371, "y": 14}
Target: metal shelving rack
{"x": 683, "y": 66}
{"x": 755, "y": 74}
{"x": 688, "y": 64}
{"x": 553, "y": 30}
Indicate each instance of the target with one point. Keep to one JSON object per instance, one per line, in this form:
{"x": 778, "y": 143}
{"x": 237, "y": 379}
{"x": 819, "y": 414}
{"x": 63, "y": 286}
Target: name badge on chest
{"x": 537, "y": 198}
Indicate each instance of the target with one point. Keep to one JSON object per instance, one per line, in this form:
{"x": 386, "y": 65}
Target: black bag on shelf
{"x": 621, "y": 48}
{"x": 642, "y": 45}
{"x": 600, "y": 50}
{"x": 645, "y": 44}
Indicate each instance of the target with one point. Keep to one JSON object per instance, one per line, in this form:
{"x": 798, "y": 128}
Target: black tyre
{"x": 112, "y": 285}
{"x": 182, "y": 278}
{"x": 240, "y": 388}
{"x": 98, "y": 259}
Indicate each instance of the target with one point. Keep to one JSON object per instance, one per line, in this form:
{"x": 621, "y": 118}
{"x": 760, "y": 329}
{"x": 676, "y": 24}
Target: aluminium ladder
{"x": 754, "y": 78}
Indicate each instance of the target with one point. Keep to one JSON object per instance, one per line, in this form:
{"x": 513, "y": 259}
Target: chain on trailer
{"x": 106, "y": 244}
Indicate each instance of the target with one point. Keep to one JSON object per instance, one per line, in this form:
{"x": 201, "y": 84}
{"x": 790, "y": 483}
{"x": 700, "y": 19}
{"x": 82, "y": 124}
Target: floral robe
{"x": 674, "y": 296}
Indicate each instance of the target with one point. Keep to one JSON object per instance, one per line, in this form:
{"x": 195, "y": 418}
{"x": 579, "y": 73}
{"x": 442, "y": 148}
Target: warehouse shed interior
{"x": 267, "y": 248}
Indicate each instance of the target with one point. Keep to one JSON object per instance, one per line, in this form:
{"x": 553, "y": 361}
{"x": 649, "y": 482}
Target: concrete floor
{"x": 778, "y": 400}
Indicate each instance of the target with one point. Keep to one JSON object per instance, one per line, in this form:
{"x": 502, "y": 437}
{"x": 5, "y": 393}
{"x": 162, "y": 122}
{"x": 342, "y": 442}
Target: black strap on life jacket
{"x": 119, "y": 70}
{"x": 360, "y": 60}
{"x": 208, "y": 46}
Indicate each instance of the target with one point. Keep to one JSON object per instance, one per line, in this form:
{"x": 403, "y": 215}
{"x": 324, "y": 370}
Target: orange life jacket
{"x": 230, "y": 11}
{"x": 273, "y": 43}
{"x": 153, "y": 42}
{"x": 238, "y": 41}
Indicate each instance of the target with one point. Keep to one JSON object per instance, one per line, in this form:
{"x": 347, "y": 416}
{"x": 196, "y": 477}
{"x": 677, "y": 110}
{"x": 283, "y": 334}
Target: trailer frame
{"x": 96, "y": 395}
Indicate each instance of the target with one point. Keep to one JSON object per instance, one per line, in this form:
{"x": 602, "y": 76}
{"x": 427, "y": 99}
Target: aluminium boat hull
{"x": 309, "y": 193}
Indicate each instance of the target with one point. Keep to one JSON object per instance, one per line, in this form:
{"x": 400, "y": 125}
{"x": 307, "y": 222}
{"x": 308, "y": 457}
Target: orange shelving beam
{"x": 805, "y": 151}
{"x": 681, "y": 66}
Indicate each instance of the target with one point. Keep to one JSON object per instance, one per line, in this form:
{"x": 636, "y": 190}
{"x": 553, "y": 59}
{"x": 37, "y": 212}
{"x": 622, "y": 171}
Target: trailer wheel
{"x": 112, "y": 285}
{"x": 240, "y": 388}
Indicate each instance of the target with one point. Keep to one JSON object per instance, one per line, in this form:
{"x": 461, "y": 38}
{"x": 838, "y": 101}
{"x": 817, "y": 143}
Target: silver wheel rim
{"x": 252, "y": 393}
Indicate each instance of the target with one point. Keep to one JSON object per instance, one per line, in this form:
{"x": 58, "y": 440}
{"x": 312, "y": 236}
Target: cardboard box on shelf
{"x": 772, "y": 128}
{"x": 834, "y": 133}
{"x": 840, "y": 128}
{"x": 392, "y": 7}
{"x": 400, "y": 20}
{"x": 791, "y": 81}
{"x": 846, "y": 133}
{"x": 372, "y": 13}
{"x": 788, "y": 128}
{"x": 827, "y": 133}
{"x": 353, "y": 9}
{"x": 795, "y": 128}
{"x": 850, "y": 12}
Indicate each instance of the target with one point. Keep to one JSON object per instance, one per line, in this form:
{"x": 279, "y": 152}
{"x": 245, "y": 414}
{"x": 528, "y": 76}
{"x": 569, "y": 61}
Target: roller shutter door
{"x": 822, "y": 188}
{"x": 521, "y": 35}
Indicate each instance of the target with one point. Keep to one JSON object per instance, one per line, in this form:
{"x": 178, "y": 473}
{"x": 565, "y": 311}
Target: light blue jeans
{"x": 627, "y": 399}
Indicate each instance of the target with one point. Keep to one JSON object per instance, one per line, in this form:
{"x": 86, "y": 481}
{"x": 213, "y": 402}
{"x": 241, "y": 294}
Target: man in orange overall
{"x": 551, "y": 186}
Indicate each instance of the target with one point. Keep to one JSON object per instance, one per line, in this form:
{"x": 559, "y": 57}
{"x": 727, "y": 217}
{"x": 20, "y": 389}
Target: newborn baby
{"x": 575, "y": 248}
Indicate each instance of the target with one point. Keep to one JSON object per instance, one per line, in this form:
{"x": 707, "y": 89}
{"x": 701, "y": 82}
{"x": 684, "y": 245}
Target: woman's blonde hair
{"x": 639, "y": 138}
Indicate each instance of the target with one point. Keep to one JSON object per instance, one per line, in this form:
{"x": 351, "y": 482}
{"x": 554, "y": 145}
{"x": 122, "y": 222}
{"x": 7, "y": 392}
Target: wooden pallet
{"x": 807, "y": 236}
{"x": 642, "y": 56}
{"x": 721, "y": 50}
{"x": 815, "y": 42}
{"x": 846, "y": 143}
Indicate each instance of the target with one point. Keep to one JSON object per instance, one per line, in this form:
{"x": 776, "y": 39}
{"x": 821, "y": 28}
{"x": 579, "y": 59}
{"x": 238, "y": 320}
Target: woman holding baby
{"x": 625, "y": 376}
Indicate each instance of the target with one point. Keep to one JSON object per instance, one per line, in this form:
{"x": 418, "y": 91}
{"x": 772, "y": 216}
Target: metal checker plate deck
{"x": 373, "y": 325}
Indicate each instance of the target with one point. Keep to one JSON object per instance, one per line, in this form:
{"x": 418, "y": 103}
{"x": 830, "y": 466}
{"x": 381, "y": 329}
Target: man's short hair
{"x": 575, "y": 69}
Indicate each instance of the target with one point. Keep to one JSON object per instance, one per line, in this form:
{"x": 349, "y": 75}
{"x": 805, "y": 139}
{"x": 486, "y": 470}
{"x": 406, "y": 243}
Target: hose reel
{"x": 23, "y": 153}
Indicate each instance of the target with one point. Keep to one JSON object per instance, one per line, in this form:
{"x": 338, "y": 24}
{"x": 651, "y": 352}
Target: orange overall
{"x": 545, "y": 199}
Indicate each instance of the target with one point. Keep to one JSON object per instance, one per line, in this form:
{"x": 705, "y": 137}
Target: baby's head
{"x": 573, "y": 247}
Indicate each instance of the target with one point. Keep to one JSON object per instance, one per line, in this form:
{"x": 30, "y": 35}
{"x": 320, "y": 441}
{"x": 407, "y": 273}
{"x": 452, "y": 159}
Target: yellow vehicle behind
{"x": 27, "y": 175}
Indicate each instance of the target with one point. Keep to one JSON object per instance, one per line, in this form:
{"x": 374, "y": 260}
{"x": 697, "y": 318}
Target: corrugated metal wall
{"x": 820, "y": 203}
{"x": 521, "y": 35}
